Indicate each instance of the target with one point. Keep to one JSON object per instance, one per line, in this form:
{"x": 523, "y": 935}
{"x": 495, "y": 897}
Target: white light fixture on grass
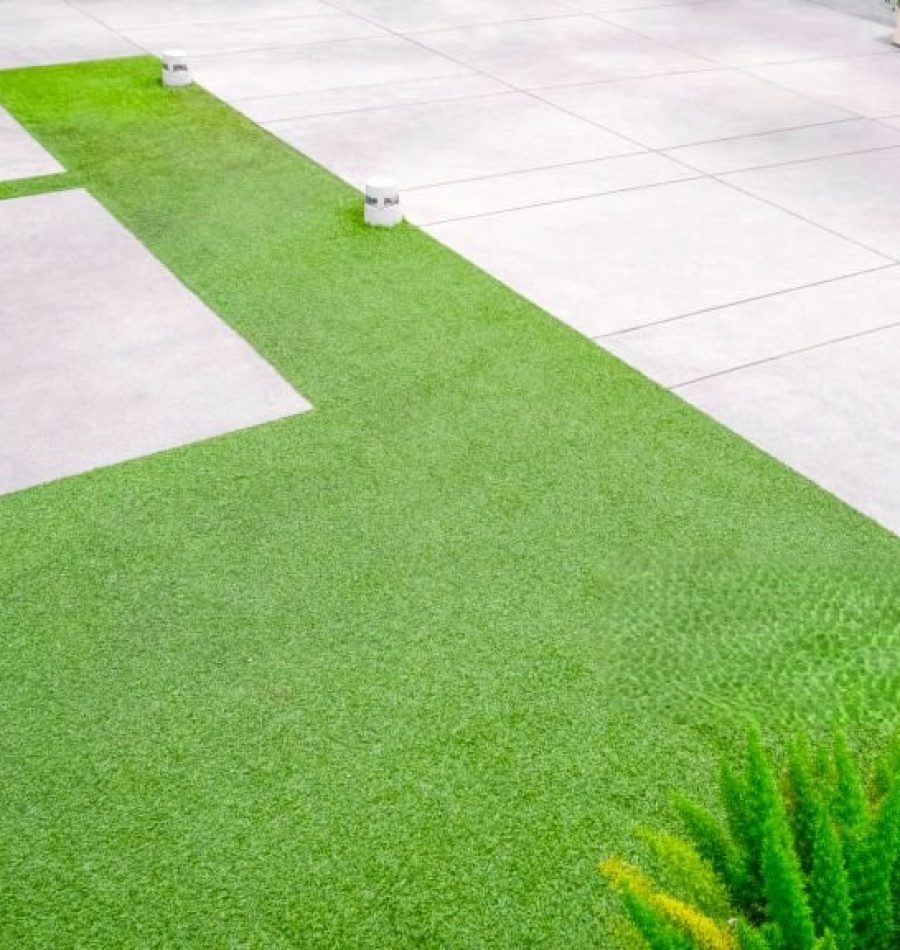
{"x": 382, "y": 203}
{"x": 175, "y": 70}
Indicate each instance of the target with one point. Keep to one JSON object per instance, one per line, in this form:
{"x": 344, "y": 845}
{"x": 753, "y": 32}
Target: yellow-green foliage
{"x": 683, "y": 872}
{"x": 705, "y": 932}
{"x": 812, "y": 863}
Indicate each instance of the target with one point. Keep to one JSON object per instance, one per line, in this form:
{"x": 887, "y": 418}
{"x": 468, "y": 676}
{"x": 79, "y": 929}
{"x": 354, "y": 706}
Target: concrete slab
{"x": 468, "y": 199}
{"x": 717, "y": 341}
{"x": 201, "y": 39}
{"x": 792, "y": 145}
{"x": 748, "y": 32}
{"x": 558, "y": 51}
{"x": 298, "y": 105}
{"x": 866, "y": 85}
{"x": 105, "y": 355}
{"x": 127, "y": 14}
{"x": 20, "y": 155}
{"x": 651, "y": 254}
{"x": 830, "y": 413}
{"x": 450, "y": 141}
{"x": 321, "y": 66}
{"x": 36, "y": 32}
{"x": 668, "y": 111}
{"x": 855, "y": 195}
{"x": 410, "y": 16}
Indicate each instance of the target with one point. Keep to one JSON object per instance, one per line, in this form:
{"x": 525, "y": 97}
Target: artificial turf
{"x": 396, "y": 672}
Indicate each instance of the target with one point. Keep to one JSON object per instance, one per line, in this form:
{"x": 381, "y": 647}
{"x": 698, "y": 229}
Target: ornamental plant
{"x": 808, "y": 859}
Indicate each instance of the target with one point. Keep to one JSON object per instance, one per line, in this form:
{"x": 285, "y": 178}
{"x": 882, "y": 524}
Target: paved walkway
{"x": 104, "y": 355}
{"x": 708, "y": 188}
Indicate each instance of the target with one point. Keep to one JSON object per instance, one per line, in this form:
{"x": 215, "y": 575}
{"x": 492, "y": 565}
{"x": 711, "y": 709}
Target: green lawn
{"x": 399, "y": 671}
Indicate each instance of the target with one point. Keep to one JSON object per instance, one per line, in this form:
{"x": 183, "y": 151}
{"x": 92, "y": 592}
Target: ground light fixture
{"x": 382, "y": 208}
{"x": 175, "y": 70}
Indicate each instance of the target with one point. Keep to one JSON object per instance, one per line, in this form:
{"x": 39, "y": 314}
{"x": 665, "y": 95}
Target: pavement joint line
{"x": 734, "y": 303}
{"x": 105, "y": 26}
{"x": 759, "y": 135}
{"x": 802, "y": 161}
{"x": 786, "y": 355}
{"x": 396, "y": 105}
{"x": 362, "y": 85}
{"x": 604, "y": 128}
{"x": 561, "y": 201}
{"x": 627, "y": 29}
{"x": 527, "y": 171}
{"x": 774, "y": 204}
{"x": 575, "y": 14}
{"x": 423, "y": 46}
{"x": 192, "y": 23}
{"x": 810, "y": 59}
{"x": 287, "y": 46}
{"x": 603, "y": 82}
{"x": 806, "y": 95}
{"x": 245, "y": 22}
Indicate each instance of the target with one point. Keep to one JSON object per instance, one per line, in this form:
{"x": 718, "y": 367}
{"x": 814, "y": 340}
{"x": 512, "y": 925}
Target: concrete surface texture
{"x": 707, "y": 187}
{"x": 104, "y": 355}
{"x": 20, "y": 155}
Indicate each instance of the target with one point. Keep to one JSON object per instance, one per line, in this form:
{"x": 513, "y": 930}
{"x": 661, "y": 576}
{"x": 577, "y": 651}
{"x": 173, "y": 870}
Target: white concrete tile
{"x": 746, "y": 32}
{"x": 636, "y": 257}
{"x": 201, "y": 39}
{"x": 830, "y": 413}
{"x": 667, "y": 111}
{"x": 716, "y": 341}
{"x": 522, "y": 189}
{"x": 866, "y": 85}
{"x": 105, "y": 356}
{"x": 893, "y": 121}
{"x": 775, "y": 148}
{"x": 36, "y": 32}
{"x": 127, "y": 14}
{"x": 448, "y": 141}
{"x": 557, "y": 51}
{"x": 855, "y": 195}
{"x": 20, "y": 155}
{"x": 358, "y": 98}
{"x": 318, "y": 66}
{"x": 408, "y": 16}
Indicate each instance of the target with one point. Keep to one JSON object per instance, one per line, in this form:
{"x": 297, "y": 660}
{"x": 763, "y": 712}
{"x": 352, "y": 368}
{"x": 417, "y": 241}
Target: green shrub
{"x": 807, "y": 862}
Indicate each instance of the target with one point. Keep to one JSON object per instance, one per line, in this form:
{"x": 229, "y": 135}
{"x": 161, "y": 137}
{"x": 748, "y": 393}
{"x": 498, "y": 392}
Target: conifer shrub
{"x": 804, "y": 858}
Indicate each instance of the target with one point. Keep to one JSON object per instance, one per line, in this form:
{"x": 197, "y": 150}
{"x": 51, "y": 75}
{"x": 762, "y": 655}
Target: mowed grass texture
{"x": 399, "y": 671}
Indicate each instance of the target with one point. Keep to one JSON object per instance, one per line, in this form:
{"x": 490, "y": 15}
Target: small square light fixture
{"x": 175, "y": 70}
{"x": 382, "y": 207}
